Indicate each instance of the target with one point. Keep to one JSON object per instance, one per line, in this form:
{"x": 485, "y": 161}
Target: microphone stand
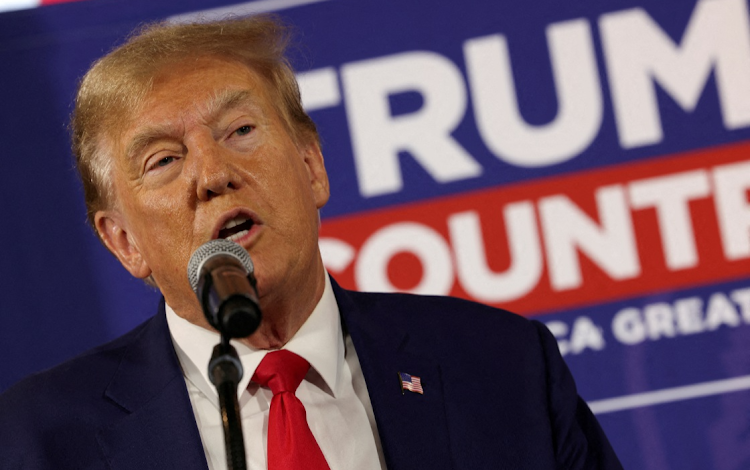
{"x": 221, "y": 275}
{"x": 225, "y": 371}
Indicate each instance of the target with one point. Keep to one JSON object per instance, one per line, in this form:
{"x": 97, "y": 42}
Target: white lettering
{"x": 567, "y": 229}
{"x": 721, "y": 311}
{"x": 670, "y": 196}
{"x": 319, "y": 88}
{"x": 371, "y": 268}
{"x": 585, "y": 335}
{"x": 628, "y": 327}
{"x": 525, "y": 268}
{"x": 689, "y": 315}
{"x": 683, "y": 317}
{"x": 499, "y": 120}
{"x": 659, "y": 320}
{"x": 742, "y": 298}
{"x": 336, "y": 254}
{"x": 637, "y": 51}
{"x": 378, "y": 137}
{"x": 732, "y": 183}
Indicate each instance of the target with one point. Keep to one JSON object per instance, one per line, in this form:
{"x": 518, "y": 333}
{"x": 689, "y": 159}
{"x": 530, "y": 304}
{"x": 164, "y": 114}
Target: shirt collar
{"x": 319, "y": 341}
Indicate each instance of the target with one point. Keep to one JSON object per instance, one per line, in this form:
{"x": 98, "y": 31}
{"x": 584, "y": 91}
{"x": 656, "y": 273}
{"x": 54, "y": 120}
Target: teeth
{"x": 237, "y": 235}
{"x": 235, "y": 222}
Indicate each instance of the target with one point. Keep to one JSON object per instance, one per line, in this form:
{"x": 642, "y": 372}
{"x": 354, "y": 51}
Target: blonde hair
{"x": 116, "y": 85}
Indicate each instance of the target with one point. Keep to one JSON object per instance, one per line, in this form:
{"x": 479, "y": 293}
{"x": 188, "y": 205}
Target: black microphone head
{"x": 210, "y": 249}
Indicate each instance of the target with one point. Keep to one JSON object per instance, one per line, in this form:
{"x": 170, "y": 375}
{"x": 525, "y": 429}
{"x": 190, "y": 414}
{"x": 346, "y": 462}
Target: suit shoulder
{"x": 74, "y": 378}
{"x": 51, "y": 419}
{"x": 450, "y": 313}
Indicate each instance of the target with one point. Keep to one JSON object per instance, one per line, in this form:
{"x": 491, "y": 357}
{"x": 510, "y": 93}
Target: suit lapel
{"x": 413, "y": 427}
{"x": 159, "y": 431}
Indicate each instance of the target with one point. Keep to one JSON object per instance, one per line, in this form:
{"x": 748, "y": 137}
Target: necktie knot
{"x": 281, "y": 371}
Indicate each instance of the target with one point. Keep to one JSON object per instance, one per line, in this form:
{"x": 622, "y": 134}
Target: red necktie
{"x": 291, "y": 445}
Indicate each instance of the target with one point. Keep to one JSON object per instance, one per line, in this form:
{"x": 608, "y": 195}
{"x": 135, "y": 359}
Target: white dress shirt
{"x": 333, "y": 392}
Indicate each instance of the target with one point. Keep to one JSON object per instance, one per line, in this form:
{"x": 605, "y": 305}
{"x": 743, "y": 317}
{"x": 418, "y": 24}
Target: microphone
{"x": 221, "y": 275}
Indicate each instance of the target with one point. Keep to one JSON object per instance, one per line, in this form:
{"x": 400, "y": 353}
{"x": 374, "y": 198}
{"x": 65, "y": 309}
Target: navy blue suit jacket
{"x": 497, "y": 395}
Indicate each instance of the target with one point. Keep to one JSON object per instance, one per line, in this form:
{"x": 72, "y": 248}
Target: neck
{"x": 284, "y": 314}
{"x": 284, "y": 311}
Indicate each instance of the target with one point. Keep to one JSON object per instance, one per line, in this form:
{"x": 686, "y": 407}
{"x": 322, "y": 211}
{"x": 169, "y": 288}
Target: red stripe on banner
{"x": 580, "y": 239}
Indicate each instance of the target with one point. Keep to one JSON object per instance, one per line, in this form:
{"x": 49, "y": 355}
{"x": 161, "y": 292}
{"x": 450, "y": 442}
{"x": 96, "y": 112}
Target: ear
{"x": 110, "y": 225}
{"x": 317, "y": 171}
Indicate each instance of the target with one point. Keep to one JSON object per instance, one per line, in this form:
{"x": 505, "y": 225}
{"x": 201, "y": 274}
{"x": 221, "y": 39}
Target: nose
{"x": 215, "y": 173}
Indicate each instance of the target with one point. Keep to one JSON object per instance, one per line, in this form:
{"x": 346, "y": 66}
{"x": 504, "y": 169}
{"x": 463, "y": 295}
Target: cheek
{"x": 294, "y": 183}
{"x": 162, "y": 224}
{"x": 165, "y": 208}
{"x": 282, "y": 183}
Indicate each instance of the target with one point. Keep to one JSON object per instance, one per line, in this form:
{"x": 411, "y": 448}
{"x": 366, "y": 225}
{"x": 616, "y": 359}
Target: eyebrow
{"x": 223, "y": 100}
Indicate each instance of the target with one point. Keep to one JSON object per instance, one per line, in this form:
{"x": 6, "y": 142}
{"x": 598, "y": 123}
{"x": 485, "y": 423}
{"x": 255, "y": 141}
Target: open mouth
{"x": 236, "y": 228}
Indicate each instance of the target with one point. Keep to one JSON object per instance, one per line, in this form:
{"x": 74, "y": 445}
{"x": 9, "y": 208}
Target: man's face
{"x": 207, "y": 156}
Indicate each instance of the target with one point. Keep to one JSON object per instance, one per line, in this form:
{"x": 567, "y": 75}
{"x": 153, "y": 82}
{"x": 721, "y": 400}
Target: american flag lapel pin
{"x": 411, "y": 383}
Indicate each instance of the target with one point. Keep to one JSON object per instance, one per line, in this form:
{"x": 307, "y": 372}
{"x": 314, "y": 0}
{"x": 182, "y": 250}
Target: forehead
{"x": 201, "y": 86}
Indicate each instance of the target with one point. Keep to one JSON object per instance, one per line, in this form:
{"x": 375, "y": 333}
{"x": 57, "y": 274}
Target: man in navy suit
{"x": 190, "y": 133}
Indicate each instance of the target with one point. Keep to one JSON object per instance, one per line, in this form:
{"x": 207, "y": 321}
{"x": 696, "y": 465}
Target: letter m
{"x": 639, "y": 53}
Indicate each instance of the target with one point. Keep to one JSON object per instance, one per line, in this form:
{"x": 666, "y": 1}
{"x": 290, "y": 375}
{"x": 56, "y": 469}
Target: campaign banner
{"x": 584, "y": 164}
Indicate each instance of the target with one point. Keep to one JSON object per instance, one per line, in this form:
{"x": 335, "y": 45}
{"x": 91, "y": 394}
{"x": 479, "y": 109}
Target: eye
{"x": 244, "y": 130}
{"x": 160, "y": 163}
{"x": 164, "y": 161}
